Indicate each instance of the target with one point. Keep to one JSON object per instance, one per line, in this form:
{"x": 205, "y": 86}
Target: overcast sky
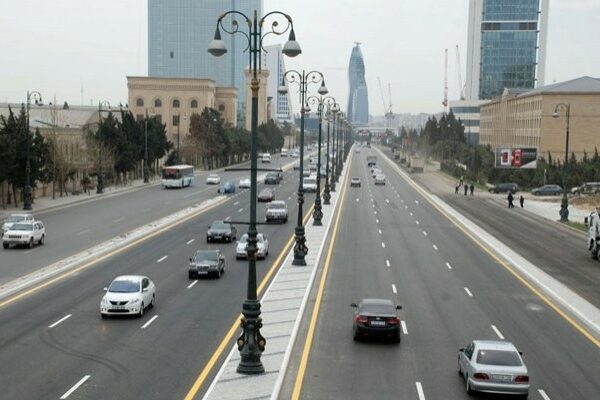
{"x": 56, "y": 46}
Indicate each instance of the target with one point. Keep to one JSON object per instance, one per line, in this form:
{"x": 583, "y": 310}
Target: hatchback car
{"x": 266, "y": 195}
{"x": 504, "y": 188}
{"x": 376, "y": 318}
{"x": 262, "y": 245}
{"x": 355, "y": 181}
{"x": 227, "y": 187}
{"x": 128, "y": 295}
{"x": 493, "y": 366}
{"x": 244, "y": 183}
{"x": 206, "y": 263}
{"x": 547, "y": 190}
{"x": 221, "y": 231}
{"x": 380, "y": 179}
{"x": 24, "y": 233}
{"x": 213, "y": 179}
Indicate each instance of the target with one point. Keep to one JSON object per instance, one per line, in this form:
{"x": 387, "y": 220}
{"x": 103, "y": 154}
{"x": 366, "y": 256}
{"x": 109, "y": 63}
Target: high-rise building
{"x": 281, "y": 104}
{"x": 179, "y": 32}
{"x": 358, "y": 97}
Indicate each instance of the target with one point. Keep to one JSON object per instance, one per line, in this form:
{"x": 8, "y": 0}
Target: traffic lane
{"x": 557, "y": 355}
{"x": 145, "y": 262}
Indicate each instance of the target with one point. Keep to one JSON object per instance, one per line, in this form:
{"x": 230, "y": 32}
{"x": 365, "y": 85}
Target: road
{"x": 392, "y": 244}
{"x": 54, "y": 338}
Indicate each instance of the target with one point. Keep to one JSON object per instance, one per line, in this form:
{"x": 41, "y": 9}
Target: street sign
{"x": 516, "y": 158}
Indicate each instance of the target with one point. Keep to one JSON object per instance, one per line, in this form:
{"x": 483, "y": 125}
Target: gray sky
{"x": 54, "y": 46}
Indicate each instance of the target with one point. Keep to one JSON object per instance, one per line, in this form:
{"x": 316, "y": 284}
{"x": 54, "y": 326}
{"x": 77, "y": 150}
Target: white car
{"x": 14, "y": 218}
{"x": 128, "y": 295}
{"x": 380, "y": 179}
{"x": 213, "y": 179}
{"x": 24, "y": 233}
{"x": 309, "y": 184}
{"x": 244, "y": 183}
{"x": 262, "y": 244}
{"x": 376, "y": 172}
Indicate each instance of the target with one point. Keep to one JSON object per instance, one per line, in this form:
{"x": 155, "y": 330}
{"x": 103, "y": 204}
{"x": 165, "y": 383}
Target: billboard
{"x": 518, "y": 158}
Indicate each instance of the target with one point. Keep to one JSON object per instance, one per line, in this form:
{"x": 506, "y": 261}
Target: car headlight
{"x": 104, "y": 302}
{"x": 134, "y": 301}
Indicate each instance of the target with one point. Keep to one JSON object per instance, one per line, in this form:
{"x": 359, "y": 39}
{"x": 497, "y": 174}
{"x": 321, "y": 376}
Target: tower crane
{"x": 387, "y": 106}
{"x": 461, "y": 87}
{"x": 445, "y": 101}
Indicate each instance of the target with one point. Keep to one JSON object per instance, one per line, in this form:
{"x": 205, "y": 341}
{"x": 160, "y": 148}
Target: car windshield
{"x": 15, "y": 218}
{"x": 275, "y": 205}
{"x": 377, "y": 308}
{"x": 124, "y": 286}
{"x": 220, "y": 225}
{"x": 213, "y": 176}
{"x": 206, "y": 256}
{"x": 498, "y": 357}
{"x": 22, "y": 227}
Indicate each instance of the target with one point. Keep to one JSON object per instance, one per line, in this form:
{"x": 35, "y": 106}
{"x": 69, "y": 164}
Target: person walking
{"x": 510, "y": 200}
{"x": 521, "y": 200}
{"x": 456, "y": 188}
{"x": 472, "y": 188}
{"x": 466, "y": 189}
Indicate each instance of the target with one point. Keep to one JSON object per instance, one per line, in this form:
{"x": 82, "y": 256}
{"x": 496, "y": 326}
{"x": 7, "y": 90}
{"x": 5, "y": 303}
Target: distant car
{"x": 213, "y": 179}
{"x": 309, "y": 184}
{"x": 376, "y": 318}
{"x": 376, "y": 171}
{"x": 262, "y": 246}
{"x": 547, "y": 190}
{"x": 265, "y": 158}
{"x": 128, "y": 295}
{"x": 244, "y": 183}
{"x": 24, "y": 233}
{"x": 266, "y": 195}
{"x": 277, "y": 211}
{"x": 493, "y": 366}
{"x": 306, "y": 172}
{"x": 221, "y": 231}
{"x": 504, "y": 188}
{"x": 380, "y": 179}
{"x": 227, "y": 187}
{"x": 14, "y": 218}
{"x": 357, "y": 151}
{"x": 296, "y": 166}
{"x": 587, "y": 188}
{"x": 272, "y": 178}
{"x": 355, "y": 181}
{"x": 206, "y": 263}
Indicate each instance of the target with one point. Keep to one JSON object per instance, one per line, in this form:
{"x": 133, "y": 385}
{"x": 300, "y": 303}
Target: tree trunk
{"x": 15, "y": 196}
{"x": 2, "y": 196}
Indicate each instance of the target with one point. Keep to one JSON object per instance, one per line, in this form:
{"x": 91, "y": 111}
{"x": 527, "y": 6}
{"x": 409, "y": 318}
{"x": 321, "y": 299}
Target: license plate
{"x": 377, "y": 323}
{"x": 501, "y": 377}
{"x": 203, "y": 272}
{"x": 118, "y": 307}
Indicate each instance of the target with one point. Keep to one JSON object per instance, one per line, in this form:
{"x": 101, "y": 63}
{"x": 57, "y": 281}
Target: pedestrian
{"x": 456, "y": 188}
{"x": 510, "y": 200}
{"x": 466, "y": 189}
{"x": 521, "y": 200}
{"x": 461, "y": 180}
{"x": 472, "y": 188}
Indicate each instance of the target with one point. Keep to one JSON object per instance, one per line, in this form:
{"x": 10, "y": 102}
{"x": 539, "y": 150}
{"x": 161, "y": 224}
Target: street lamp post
{"x": 332, "y": 109}
{"x": 303, "y": 79}
{"x": 564, "y": 204}
{"x": 100, "y": 174}
{"x": 336, "y": 126}
{"x": 338, "y": 168}
{"x": 251, "y": 344}
{"x": 146, "y": 169}
{"x": 27, "y": 190}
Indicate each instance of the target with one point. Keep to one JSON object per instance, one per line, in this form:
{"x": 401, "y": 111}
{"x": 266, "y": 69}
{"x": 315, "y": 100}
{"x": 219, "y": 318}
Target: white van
{"x": 266, "y": 158}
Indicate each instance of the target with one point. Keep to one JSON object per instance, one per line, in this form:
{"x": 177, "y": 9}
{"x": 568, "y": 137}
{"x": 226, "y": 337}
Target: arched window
{"x": 175, "y": 103}
{"x": 139, "y": 102}
{"x": 157, "y": 103}
{"x": 222, "y": 108}
{"x": 194, "y": 104}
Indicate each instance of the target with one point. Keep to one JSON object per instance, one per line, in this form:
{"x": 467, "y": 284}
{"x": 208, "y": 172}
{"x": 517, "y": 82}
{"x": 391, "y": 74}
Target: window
{"x": 222, "y": 108}
{"x": 175, "y": 120}
{"x": 175, "y": 103}
{"x": 194, "y": 104}
{"x": 157, "y": 103}
{"x": 139, "y": 102}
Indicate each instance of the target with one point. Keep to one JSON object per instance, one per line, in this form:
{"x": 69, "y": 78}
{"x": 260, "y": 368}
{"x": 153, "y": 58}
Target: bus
{"x": 178, "y": 176}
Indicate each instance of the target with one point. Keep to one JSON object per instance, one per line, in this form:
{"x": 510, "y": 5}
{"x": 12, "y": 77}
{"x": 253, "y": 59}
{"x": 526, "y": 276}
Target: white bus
{"x": 177, "y": 176}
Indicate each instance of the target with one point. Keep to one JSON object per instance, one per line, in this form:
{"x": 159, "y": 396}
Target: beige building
{"x": 262, "y": 98}
{"x": 174, "y": 100}
{"x": 524, "y": 118}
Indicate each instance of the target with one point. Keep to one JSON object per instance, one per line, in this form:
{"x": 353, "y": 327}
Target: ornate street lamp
{"x": 302, "y": 79}
{"x": 251, "y": 344}
{"x": 564, "y": 204}
{"x": 332, "y": 109}
{"x": 27, "y": 190}
{"x": 100, "y": 174}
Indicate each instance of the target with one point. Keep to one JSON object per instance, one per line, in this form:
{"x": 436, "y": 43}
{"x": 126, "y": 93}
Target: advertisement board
{"x": 518, "y": 158}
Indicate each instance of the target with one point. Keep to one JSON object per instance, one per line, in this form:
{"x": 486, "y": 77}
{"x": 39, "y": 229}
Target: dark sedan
{"x": 273, "y": 178}
{"x": 505, "y": 188}
{"x": 377, "y": 318}
{"x": 266, "y": 195}
{"x": 547, "y": 190}
{"x": 221, "y": 231}
{"x": 206, "y": 263}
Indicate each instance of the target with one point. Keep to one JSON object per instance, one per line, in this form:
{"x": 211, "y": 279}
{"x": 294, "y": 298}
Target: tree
{"x": 206, "y": 134}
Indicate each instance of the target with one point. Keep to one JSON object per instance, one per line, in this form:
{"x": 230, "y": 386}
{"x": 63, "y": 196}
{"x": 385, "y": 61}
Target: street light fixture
{"x": 332, "y": 109}
{"x": 100, "y": 174}
{"x": 251, "y": 344}
{"x": 564, "y": 204}
{"x": 27, "y": 190}
{"x": 303, "y": 79}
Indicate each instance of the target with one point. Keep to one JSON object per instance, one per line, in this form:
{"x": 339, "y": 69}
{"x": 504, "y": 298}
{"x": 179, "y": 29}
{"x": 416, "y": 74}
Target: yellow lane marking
{"x": 108, "y": 255}
{"x": 516, "y": 274}
{"x": 235, "y": 326}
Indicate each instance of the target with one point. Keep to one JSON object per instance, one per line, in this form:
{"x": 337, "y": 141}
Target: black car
{"x": 376, "y": 318}
{"x": 266, "y": 195}
{"x": 221, "y": 231}
{"x": 272, "y": 178}
{"x": 206, "y": 263}
{"x": 547, "y": 190}
{"x": 505, "y": 188}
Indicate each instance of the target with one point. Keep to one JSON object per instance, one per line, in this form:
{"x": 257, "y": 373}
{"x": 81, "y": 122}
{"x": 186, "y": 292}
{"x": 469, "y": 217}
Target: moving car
{"x": 14, "y": 218}
{"x": 284, "y": 152}
{"x": 206, "y": 263}
{"x": 266, "y": 195}
{"x": 504, "y": 188}
{"x": 376, "y": 318}
{"x": 128, "y": 295}
{"x": 213, "y": 179}
{"x": 227, "y": 187}
{"x": 493, "y": 366}
{"x": 592, "y": 223}
{"x": 306, "y": 172}
{"x": 24, "y": 233}
{"x": 376, "y": 171}
{"x": 355, "y": 181}
{"x": 262, "y": 245}
{"x": 547, "y": 190}
{"x": 309, "y": 184}
{"x": 357, "y": 150}
{"x": 272, "y": 178}
{"x": 265, "y": 158}
{"x": 244, "y": 183}
{"x": 380, "y": 179}
{"x": 277, "y": 211}
{"x": 220, "y": 230}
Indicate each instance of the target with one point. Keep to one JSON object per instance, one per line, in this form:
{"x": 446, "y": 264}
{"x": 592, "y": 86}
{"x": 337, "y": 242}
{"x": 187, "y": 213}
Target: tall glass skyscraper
{"x": 179, "y": 32}
{"x": 358, "y": 97}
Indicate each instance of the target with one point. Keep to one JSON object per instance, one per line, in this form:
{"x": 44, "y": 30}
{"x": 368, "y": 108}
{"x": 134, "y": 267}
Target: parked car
{"x": 221, "y": 231}
{"x": 277, "y": 211}
{"x": 213, "y": 179}
{"x": 272, "y": 178}
{"x": 493, "y": 366}
{"x": 244, "y": 183}
{"x": 376, "y": 318}
{"x": 547, "y": 190}
{"x": 380, "y": 179}
{"x": 24, "y": 233}
{"x": 227, "y": 187}
{"x": 206, "y": 263}
{"x": 355, "y": 181}
{"x": 266, "y": 195}
{"x": 15, "y": 218}
{"x": 128, "y": 295}
{"x": 504, "y": 188}
{"x": 262, "y": 246}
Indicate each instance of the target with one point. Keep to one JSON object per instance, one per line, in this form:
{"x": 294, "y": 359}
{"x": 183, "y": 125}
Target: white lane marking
{"x": 394, "y": 289}
{"x": 404, "y": 330}
{"x": 405, "y": 207}
{"x": 401, "y": 201}
{"x": 60, "y": 320}
{"x": 373, "y": 205}
{"x": 151, "y": 320}
{"x": 468, "y": 292}
{"x": 543, "y": 394}
{"x": 236, "y": 203}
{"x": 74, "y": 388}
{"x": 387, "y": 201}
{"x": 376, "y": 220}
{"x": 448, "y": 265}
{"x": 380, "y": 232}
{"x": 118, "y": 220}
{"x": 191, "y": 285}
{"x": 417, "y": 222}
{"x": 383, "y": 245}
{"x": 387, "y": 262}
{"x": 435, "y": 247}
{"x": 357, "y": 199}
{"x": 83, "y": 232}
{"x": 420, "y": 391}
{"x": 424, "y": 233}
{"x": 417, "y": 201}
{"x": 228, "y": 218}
{"x": 163, "y": 258}
{"x": 375, "y": 212}
{"x": 190, "y": 241}
{"x": 497, "y": 332}
{"x": 411, "y": 214}
{"x": 240, "y": 210}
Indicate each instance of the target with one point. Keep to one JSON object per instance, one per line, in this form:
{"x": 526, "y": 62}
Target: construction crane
{"x": 387, "y": 106}
{"x": 461, "y": 87}
{"x": 445, "y": 101}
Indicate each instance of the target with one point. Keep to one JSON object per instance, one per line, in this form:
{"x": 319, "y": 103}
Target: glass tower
{"x": 358, "y": 97}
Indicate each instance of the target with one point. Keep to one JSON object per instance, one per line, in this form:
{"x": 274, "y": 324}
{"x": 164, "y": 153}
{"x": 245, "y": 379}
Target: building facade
{"x": 179, "y": 32}
{"x": 525, "y": 118}
{"x": 468, "y": 113}
{"x": 281, "y": 104}
{"x": 358, "y": 96}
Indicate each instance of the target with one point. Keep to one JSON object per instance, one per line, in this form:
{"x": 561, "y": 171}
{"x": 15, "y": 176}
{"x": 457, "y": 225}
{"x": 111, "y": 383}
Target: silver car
{"x": 493, "y": 366}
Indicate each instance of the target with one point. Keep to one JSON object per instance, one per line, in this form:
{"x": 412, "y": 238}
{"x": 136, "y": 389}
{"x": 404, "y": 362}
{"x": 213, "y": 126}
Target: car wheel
{"x": 218, "y": 274}
{"x": 103, "y": 316}
{"x": 5, "y": 245}
{"x": 190, "y": 275}
{"x": 153, "y": 302}
{"x": 141, "y": 313}
{"x": 31, "y": 243}
{"x": 536, "y": 193}
{"x": 207, "y": 239}
{"x": 41, "y": 242}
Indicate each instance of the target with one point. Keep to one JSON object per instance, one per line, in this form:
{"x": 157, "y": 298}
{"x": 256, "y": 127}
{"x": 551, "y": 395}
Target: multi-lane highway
{"x": 391, "y": 243}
